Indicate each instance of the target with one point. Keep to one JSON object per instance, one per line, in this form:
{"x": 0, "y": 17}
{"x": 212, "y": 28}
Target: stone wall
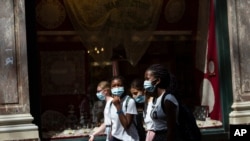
{"x": 15, "y": 117}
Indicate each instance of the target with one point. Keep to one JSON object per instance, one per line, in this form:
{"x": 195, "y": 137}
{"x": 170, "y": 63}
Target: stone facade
{"x": 15, "y": 117}
{"x": 238, "y": 22}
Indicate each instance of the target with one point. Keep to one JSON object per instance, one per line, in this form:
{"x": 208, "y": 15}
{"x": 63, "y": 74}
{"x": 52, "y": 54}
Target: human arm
{"x": 126, "y": 118}
{"x": 99, "y": 130}
{"x": 170, "y": 109}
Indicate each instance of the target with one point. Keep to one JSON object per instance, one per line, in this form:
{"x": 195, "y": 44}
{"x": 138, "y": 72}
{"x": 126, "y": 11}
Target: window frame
{"x": 225, "y": 79}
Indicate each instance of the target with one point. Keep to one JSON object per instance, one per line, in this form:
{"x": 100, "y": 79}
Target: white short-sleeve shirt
{"x": 147, "y": 119}
{"x": 106, "y": 113}
{"x": 107, "y": 118}
{"x": 157, "y": 114}
{"x": 118, "y": 131}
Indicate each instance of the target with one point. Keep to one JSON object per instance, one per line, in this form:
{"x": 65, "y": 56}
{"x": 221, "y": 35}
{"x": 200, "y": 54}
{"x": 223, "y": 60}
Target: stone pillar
{"x": 15, "y": 117}
{"x": 239, "y": 25}
{"x": 115, "y": 68}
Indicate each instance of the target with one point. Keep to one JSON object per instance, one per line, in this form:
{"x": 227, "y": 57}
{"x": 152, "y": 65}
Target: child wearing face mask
{"x": 104, "y": 94}
{"x": 122, "y": 112}
{"x": 144, "y": 107}
{"x": 164, "y": 116}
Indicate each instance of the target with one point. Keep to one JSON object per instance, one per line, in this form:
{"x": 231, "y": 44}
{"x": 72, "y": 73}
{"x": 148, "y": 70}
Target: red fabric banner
{"x": 212, "y": 73}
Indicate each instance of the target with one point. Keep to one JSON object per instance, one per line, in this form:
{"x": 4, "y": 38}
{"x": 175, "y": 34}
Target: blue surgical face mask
{"x": 148, "y": 86}
{"x": 140, "y": 99}
{"x": 117, "y": 91}
{"x": 100, "y": 96}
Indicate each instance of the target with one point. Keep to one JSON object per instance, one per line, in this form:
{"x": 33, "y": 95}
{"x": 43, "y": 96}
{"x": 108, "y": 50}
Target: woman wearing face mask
{"x": 144, "y": 106}
{"x": 157, "y": 80}
{"x": 123, "y": 111}
{"x": 104, "y": 93}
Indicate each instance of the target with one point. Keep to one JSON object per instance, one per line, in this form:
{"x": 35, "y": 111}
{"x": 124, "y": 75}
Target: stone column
{"x": 239, "y": 34}
{"x": 15, "y": 117}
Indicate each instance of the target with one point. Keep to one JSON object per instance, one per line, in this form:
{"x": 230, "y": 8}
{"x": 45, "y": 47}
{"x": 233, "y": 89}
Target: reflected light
{"x": 105, "y": 63}
{"x": 96, "y": 50}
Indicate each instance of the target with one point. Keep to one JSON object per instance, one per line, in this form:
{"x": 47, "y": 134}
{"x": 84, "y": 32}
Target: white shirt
{"x": 157, "y": 114}
{"x": 118, "y": 130}
{"x": 147, "y": 119}
{"x": 107, "y": 118}
{"x": 106, "y": 113}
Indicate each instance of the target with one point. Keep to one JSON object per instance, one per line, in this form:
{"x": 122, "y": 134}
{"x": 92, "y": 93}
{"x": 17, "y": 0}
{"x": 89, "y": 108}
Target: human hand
{"x": 91, "y": 137}
{"x": 116, "y": 101}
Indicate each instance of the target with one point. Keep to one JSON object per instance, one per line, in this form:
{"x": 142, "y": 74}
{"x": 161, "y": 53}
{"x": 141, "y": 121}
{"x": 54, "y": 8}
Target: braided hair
{"x": 159, "y": 71}
{"x": 173, "y": 86}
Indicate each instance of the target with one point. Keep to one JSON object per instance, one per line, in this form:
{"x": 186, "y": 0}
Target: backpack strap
{"x": 126, "y": 107}
{"x": 110, "y": 106}
{"x": 162, "y": 102}
{"x": 126, "y": 104}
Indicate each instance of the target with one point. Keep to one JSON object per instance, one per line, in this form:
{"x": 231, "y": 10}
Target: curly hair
{"x": 124, "y": 83}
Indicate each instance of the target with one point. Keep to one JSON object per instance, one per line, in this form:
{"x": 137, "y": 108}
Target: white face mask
{"x": 100, "y": 96}
{"x": 148, "y": 86}
{"x": 140, "y": 99}
{"x": 117, "y": 91}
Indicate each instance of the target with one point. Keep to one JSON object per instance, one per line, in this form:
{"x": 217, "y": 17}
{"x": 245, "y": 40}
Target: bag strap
{"x": 126, "y": 104}
{"x": 126, "y": 107}
{"x": 162, "y": 102}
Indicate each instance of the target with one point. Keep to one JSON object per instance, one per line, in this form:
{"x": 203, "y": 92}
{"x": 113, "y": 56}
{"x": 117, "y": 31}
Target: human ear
{"x": 158, "y": 81}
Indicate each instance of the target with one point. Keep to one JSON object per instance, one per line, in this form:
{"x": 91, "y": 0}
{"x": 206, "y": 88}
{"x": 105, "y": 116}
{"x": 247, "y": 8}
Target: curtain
{"x": 111, "y": 23}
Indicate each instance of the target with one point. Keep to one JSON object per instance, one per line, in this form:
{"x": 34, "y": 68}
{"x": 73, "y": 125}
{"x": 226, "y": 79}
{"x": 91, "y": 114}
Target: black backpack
{"x": 187, "y": 128}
